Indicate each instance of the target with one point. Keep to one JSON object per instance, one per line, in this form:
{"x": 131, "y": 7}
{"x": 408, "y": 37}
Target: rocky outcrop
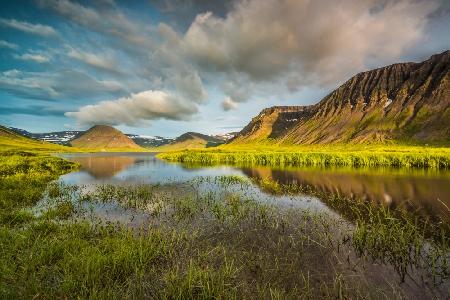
{"x": 273, "y": 122}
{"x": 404, "y": 102}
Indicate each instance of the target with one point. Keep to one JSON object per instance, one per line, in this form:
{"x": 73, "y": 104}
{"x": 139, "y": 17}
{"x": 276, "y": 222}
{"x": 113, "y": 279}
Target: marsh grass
{"x": 271, "y": 247}
{"x": 351, "y": 155}
{"x": 210, "y": 238}
{"x": 393, "y": 236}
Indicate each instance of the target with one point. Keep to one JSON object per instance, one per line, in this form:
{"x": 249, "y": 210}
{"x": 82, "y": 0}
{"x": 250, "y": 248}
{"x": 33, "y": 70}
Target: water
{"x": 426, "y": 192}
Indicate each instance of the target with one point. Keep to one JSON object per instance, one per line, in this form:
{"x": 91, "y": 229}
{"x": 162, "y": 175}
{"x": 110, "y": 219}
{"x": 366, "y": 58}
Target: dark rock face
{"x": 405, "y": 102}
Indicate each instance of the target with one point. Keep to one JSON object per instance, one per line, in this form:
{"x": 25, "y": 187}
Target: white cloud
{"x": 38, "y": 29}
{"x": 56, "y": 85}
{"x": 229, "y": 104}
{"x": 190, "y": 85}
{"x": 8, "y": 45}
{"x": 103, "y": 62}
{"x": 38, "y": 58}
{"x": 136, "y": 109}
{"x": 109, "y": 21}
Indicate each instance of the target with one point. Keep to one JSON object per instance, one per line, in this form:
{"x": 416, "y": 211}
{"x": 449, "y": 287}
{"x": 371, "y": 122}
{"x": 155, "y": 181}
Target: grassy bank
{"x": 338, "y": 155}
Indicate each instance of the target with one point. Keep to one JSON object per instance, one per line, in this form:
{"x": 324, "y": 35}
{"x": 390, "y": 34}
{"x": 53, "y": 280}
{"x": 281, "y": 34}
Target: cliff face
{"x": 406, "y": 101}
{"x": 273, "y": 122}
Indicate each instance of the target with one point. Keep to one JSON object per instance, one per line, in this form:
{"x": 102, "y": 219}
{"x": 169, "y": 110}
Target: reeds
{"x": 329, "y": 156}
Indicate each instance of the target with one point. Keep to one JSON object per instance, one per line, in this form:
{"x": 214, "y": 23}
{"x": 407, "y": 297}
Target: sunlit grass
{"x": 209, "y": 238}
{"x": 316, "y": 155}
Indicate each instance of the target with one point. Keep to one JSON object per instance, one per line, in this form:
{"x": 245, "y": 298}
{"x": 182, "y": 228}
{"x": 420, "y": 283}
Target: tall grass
{"x": 418, "y": 157}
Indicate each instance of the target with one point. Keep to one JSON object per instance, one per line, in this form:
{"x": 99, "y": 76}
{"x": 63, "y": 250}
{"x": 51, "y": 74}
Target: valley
{"x": 344, "y": 199}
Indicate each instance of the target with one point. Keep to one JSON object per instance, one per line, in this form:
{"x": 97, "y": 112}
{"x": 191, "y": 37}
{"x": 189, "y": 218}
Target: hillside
{"x": 105, "y": 138}
{"x": 55, "y": 137}
{"x": 192, "y": 140}
{"x": 149, "y": 141}
{"x": 407, "y": 102}
{"x": 10, "y": 139}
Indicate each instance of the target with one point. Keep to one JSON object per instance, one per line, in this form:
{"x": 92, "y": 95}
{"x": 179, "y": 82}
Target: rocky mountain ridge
{"x": 400, "y": 102}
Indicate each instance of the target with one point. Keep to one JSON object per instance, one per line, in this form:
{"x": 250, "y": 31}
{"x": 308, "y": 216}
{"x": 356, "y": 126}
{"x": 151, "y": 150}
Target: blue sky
{"x": 165, "y": 67}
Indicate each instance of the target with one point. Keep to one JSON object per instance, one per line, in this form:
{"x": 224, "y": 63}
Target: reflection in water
{"x": 104, "y": 166}
{"x": 426, "y": 191}
{"x": 427, "y": 194}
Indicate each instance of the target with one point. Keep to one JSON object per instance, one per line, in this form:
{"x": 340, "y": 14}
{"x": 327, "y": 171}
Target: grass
{"x": 210, "y": 238}
{"x": 330, "y": 155}
{"x": 220, "y": 243}
{"x": 393, "y": 236}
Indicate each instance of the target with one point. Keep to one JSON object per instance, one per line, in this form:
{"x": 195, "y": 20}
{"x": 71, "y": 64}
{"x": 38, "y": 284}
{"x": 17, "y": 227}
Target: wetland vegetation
{"x": 206, "y": 237}
{"x": 323, "y": 155}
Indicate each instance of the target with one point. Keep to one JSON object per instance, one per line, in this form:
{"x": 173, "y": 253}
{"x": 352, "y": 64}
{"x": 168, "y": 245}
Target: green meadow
{"x": 212, "y": 237}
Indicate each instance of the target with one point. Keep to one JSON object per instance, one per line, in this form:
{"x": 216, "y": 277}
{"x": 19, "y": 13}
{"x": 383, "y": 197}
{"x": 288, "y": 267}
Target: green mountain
{"x": 406, "y": 102}
{"x": 10, "y": 139}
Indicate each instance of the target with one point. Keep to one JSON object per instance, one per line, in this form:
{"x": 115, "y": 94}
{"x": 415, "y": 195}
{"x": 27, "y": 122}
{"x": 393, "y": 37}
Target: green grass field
{"x": 319, "y": 155}
{"x": 219, "y": 244}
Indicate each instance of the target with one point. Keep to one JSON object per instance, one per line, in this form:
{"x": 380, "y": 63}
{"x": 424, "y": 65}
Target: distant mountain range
{"x": 406, "y": 102}
{"x": 194, "y": 140}
{"x": 149, "y": 141}
{"x": 188, "y": 140}
{"x": 64, "y": 137}
{"x": 58, "y": 137}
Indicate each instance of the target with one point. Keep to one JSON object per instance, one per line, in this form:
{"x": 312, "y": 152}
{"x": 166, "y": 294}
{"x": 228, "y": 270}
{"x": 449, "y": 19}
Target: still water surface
{"x": 424, "y": 191}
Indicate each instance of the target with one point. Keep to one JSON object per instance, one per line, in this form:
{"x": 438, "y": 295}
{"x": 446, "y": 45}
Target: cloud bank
{"x": 38, "y": 29}
{"x": 135, "y": 110}
{"x": 38, "y": 58}
{"x": 305, "y": 41}
{"x": 229, "y": 104}
{"x": 8, "y": 45}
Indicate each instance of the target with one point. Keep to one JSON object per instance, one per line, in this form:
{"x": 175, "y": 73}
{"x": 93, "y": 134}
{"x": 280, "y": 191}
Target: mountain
{"x": 401, "y": 102}
{"x": 9, "y": 133}
{"x": 225, "y": 136}
{"x": 64, "y": 137}
{"x": 57, "y": 137}
{"x": 104, "y": 137}
{"x": 149, "y": 141}
{"x": 192, "y": 140}
{"x": 11, "y": 139}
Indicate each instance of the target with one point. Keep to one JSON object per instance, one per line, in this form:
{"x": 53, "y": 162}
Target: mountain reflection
{"x": 104, "y": 166}
{"x": 425, "y": 194}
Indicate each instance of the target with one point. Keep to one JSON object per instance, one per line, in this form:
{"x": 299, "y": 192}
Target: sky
{"x": 165, "y": 67}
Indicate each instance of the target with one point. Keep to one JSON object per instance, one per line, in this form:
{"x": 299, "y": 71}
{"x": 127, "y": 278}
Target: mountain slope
{"x": 104, "y": 137}
{"x": 9, "y": 139}
{"x": 149, "y": 141}
{"x": 192, "y": 140}
{"x": 55, "y": 137}
{"x": 403, "y": 102}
